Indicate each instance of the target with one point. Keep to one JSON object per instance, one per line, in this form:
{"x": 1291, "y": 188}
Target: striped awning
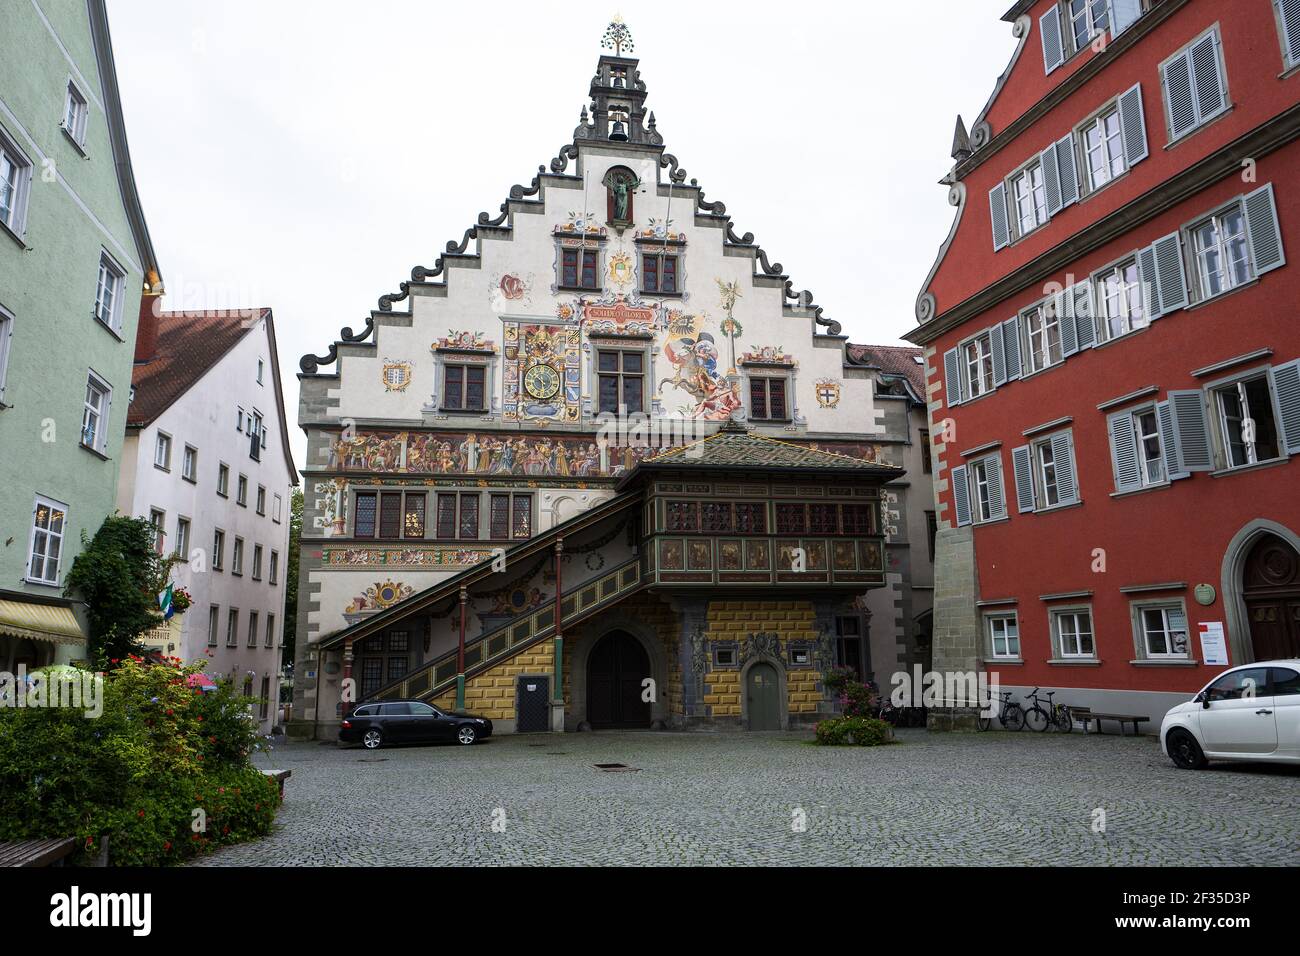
{"x": 40, "y": 622}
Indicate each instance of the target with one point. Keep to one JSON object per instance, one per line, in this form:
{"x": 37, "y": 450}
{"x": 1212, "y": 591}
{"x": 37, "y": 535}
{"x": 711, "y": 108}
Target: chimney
{"x": 146, "y": 335}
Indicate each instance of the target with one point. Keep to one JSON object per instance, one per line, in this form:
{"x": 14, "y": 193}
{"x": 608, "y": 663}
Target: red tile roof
{"x": 892, "y": 360}
{"x": 188, "y": 344}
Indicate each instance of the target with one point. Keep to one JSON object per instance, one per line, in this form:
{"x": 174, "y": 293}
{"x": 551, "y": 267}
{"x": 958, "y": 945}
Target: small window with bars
{"x": 767, "y": 398}
{"x": 464, "y": 388}
{"x": 683, "y": 516}
{"x": 791, "y": 518}
{"x": 658, "y": 274}
{"x": 458, "y": 515}
{"x": 389, "y": 515}
{"x": 580, "y": 269}
{"x": 510, "y": 516}
{"x": 751, "y": 517}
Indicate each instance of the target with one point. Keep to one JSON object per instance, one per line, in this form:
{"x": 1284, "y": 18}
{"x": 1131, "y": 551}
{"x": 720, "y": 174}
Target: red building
{"x": 1112, "y": 333}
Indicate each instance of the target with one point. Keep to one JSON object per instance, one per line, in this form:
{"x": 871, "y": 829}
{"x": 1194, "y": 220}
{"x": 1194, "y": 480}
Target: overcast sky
{"x": 305, "y": 155}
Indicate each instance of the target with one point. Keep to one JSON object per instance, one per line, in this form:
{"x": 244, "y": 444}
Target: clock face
{"x": 542, "y": 382}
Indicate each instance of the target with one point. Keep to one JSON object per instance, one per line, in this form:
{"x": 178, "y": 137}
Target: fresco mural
{"x": 693, "y": 354}
{"x": 404, "y": 557}
{"x": 469, "y": 341}
{"x": 380, "y": 595}
{"x": 540, "y": 455}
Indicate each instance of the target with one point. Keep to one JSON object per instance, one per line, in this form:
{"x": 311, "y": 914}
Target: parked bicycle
{"x": 1010, "y": 714}
{"x": 1056, "y": 715}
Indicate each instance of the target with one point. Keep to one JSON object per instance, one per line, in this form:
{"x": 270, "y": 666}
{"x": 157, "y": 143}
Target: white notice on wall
{"x": 1214, "y": 646}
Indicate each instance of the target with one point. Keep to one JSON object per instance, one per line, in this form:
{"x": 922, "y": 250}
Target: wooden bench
{"x": 36, "y": 852}
{"x": 1086, "y": 716}
{"x": 279, "y": 776}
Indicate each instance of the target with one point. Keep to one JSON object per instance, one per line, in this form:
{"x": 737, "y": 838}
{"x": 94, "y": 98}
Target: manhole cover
{"x": 615, "y": 767}
{"x": 371, "y": 759}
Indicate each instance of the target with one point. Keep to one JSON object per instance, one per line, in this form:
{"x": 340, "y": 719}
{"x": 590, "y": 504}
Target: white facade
{"x": 251, "y": 597}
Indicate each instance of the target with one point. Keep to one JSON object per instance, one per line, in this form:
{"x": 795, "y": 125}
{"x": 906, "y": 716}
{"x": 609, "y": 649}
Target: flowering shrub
{"x": 858, "y": 731}
{"x": 160, "y": 751}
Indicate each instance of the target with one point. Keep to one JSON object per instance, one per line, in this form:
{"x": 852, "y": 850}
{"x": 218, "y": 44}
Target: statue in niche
{"x": 621, "y": 184}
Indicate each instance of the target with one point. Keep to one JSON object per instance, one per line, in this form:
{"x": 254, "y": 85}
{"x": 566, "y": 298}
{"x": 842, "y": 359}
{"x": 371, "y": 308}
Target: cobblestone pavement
{"x": 939, "y": 799}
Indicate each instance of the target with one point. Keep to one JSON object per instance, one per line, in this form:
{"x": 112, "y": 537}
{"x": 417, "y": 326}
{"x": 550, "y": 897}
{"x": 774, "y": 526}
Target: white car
{"x": 1251, "y": 712}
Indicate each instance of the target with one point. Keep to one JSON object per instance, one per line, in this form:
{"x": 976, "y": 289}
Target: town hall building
{"x": 601, "y": 464}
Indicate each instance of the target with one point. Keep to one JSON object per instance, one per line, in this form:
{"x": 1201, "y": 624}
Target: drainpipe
{"x": 558, "y": 692}
{"x": 460, "y": 652}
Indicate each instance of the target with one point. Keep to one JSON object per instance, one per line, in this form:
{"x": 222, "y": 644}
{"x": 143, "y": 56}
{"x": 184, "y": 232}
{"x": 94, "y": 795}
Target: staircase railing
{"x": 485, "y": 650}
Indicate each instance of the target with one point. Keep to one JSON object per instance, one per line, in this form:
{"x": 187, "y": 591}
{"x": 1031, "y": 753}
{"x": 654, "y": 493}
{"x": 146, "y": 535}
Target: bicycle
{"x": 1010, "y": 714}
{"x": 1054, "y": 715}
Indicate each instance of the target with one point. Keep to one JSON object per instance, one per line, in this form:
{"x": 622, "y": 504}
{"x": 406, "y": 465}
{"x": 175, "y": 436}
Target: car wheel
{"x": 373, "y": 739}
{"x": 1184, "y": 750}
{"x": 466, "y": 734}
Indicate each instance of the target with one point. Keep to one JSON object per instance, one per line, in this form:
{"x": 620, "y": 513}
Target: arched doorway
{"x": 763, "y": 697}
{"x": 1271, "y": 590}
{"x": 616, "y": 668}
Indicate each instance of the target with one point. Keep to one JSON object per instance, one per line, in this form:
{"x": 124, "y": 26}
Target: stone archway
{"x": 585, "y": 643}
{"x": 1233, "y": 581}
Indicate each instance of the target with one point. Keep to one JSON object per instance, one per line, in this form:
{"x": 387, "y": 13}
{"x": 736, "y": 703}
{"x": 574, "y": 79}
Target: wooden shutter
{"x": 961, "y": 496}
{"x": 1084, "y": 325}
{"x": 1049, "y": 25}
{"x": 1191, "y": 431}
{"x": 1146, "y": 260}
{"x": 1051, "y": 179}
{"x": 997, "y": 496}
{"x": 998, "y": 213}
{"x": 1263, "y": 230}
{"x": 999, "y": 355}
{"x": 1180, "y": 104}
{"x": 1063, "y": 457}
{"x": 952, "y": 377}
{"x": 1011, "y": 347}
{"x": 1171, "y": 282}
{"x": 1124, "y": 452}
{"x": 1169, "y": 443}
{"x": 1123, "y": 14}
{"x": 1133, "y": 125}
{"x": 1063, "y": 303}
{"x": 1286, "y": 384}
{"x": 1023, "y": 470}
{"x": 1206, "y": 77}
{"x": 1066, "y": 167}
{"x": 1288, "y": 14}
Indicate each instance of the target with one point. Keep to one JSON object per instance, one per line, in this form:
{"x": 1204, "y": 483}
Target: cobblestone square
{"x": 728, "y": 799}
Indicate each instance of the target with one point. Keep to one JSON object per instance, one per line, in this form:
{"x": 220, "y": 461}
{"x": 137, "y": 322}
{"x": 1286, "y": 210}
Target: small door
{"x": 762, "y": 697}
{"x": 1240, "y": 717}
{"x": 1271, "y": 586}
{"x": 533, "y": 705}
{"x": 616, "y": 671}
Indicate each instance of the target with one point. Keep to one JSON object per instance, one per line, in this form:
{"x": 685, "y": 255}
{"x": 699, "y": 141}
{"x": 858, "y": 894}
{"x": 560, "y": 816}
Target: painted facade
{"x": 177, "y": 446}
{"x": 1113, "y": 375}
{"x": 486, "y": 419}
{"x": 70, "y": 221}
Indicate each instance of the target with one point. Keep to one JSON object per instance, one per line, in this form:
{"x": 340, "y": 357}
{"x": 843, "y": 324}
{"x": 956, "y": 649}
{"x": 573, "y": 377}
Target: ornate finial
{"x": 617, "y": 36}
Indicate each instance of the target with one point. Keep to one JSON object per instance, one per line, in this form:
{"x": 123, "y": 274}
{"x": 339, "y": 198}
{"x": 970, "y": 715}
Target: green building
{"x": 75, "y": 260}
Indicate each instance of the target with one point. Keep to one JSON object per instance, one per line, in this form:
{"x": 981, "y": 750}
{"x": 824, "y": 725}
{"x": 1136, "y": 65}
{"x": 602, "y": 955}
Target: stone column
{"x": 957, "y": 641}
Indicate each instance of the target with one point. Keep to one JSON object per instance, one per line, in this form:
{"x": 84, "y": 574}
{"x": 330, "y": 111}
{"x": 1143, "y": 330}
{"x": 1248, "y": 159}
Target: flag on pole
{"x": 165, "y": 603}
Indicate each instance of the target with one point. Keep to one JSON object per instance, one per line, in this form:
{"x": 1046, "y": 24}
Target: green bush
{"x": 857, "y": 731}
{"x": 160, "y": 751}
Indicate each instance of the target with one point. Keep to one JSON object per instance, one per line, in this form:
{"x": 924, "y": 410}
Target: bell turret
{"x": 618, "y": 96}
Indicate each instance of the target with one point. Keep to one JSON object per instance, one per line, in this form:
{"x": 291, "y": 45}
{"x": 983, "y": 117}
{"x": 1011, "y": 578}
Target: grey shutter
{"x": 1123, "y": 14}
{"x": 1286, "y": 383}
{"x": 961, "y": 495}
{"x": 1069, "y": 175}
{"x": 1051, "y": 180}
{"x": 998, "y": 214}
{"x": 1206, "y": 77}
{"x": 952, "y": 377}
{"x": 997, "y": 497}
{"x": 1049, "y": 25}
{"x": 1180, "y": 105}
{"x": 1288, "y": 12}
{"x": 1124, "y": 452}
{"x": 1146, "y": 259}
{"x": 1011, "y": 347}
{"x": 1063, "y": 303}
{"x": 999, "y": 355}
{"x": 1085, "y": 327}
{"x": 1133, "y": 125}
{"x": 1191, "y": 431}
{"x": 1171, "y": 282}
{"x": 1168, "y": 443}
{"x": 1263, "y": 229}
{"x": 1063, "y": 458}
{"x": 1022, "y": 466}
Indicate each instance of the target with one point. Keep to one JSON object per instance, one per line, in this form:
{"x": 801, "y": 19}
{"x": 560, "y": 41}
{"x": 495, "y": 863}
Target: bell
{"x": 618, "y": 131}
